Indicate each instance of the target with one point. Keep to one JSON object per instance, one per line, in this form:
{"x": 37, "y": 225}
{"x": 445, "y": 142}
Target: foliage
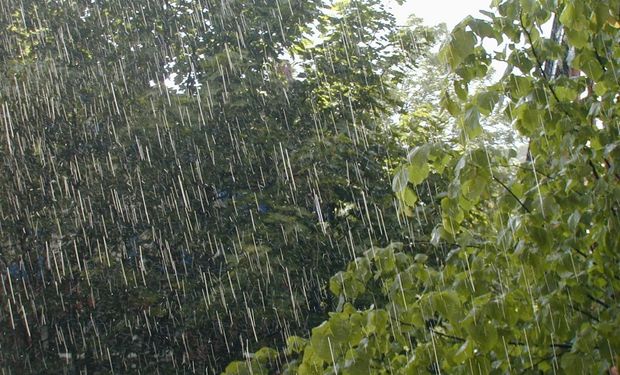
{"x": 531, "y": 283}
{"x": 162, "y": 226}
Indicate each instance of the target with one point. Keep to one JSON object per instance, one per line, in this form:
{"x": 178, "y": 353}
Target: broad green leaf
{"x": 447, "y": 304}
{"x": 266, "y": 354}
{"x": 460, "y": 46}
{"x": 577, "y": 38}
{"x": 418, "y": 168}
{"x": 341, "y": 328}
{"x": 573, "y": 363}
{"x": 565, "y": 93}
{"x": 450, "y": 105}
{"x": 483, "y": 333}
{"x": 461, "y": 89}
{"x": 418, "y": 173}
{"x": 295, "y": 344}
{"x": 465, "y": 351}
{"x": 483, "y": 29}
{"x": 323, "y": 343}
{"x": 418, "y": 156}
{"x": 410, "y": 198}
{"x": 400, "y": 180}
{"x": 470, "y": 123}
{"x": 568, "y": 14}
{"x": 573, "y": 220}
{"x": 486, "y": 101}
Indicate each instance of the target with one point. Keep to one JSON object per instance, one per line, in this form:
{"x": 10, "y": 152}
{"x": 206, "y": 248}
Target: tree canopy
{"x": 266, "y": 187}
{"x": 530, "y": 284}
{"x": 180, "y": 179}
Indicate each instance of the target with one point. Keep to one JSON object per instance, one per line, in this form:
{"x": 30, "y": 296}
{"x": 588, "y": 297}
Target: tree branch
{"x": 561, "y": 346}
{"x": 592, "y": 317}
{"x": 598, "y": 301}
{"x": 539, "y": 64}
{"x": 594, "y": 172}
{"x": 513, "y": 194}
{"x": 535, "y": 54}
{"x": 455, "y": 338}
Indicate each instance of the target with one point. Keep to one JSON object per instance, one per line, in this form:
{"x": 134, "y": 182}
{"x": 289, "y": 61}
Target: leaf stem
{"x": 456, "y": 338}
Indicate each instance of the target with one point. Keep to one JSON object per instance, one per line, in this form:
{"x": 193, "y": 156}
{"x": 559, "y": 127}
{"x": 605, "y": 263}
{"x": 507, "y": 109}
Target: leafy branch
{"x": 512, "y": 194}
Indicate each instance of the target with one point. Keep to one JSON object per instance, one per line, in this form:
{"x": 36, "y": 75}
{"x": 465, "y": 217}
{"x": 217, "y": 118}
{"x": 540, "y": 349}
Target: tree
{"x": 531, "y": 283}
{"x": 147, "y": 227}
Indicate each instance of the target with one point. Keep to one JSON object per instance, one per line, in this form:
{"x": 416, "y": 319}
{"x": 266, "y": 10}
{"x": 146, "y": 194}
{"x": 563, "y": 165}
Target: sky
{"x": 436, "y": 11}
{"x": 450, "y": 12}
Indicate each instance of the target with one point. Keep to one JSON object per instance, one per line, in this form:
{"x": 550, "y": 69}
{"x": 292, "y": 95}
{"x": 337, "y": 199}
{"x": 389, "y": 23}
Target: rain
{"x": 186, "y": 183}
{"x": 181, "y": 178}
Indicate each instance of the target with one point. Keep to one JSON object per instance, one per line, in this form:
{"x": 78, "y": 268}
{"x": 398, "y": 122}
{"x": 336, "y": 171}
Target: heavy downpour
{"x": 309, "y": 187}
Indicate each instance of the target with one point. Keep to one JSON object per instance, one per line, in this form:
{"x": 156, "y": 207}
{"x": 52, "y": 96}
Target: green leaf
{"x": 461, "y": 45}
{"x": 335, "y": 283}
{"x": 399, "y": 183}
{"x": 568, "y": 15}
{"x": 447, "y": 304}
{"x": 470, "y": 123}
{"x": 341, "y": 328}
{"x": 600, "y": 88}
{"x": 577, "y": 38}
{"x": 484, "y": 29}
{"x": 359, "y": 364}
{"x": 417, "y": 174}
{"x": 461, "y": 89}
{"x": 588, "y": 63}
{"x": 519, "y": 86}
{"x": 418, "y": 168}
{"x": 450, "y": 105}
{"x": 566, "y": 93}
{"x": 573, "y": 364}
{"x": 322, "y": 342}
{"x": 483, "y": 332}
{"x": 295, "y": 344}
{"x": 486, "y": 101}
{"x": 465, "y": 352}
{"x": 419, "y": 155}
{"x": 410, "y": 198}
{"x": 573, "y": 220}
{"x": 266, "y": 355}
{"x": 377, "y": 322}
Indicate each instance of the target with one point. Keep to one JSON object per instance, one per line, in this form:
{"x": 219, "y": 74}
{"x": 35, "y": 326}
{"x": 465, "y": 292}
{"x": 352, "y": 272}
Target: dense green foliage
{"x": 181, "y": 178}
{"x": 185, "y": 182}
{"x": 531, "y": 284}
